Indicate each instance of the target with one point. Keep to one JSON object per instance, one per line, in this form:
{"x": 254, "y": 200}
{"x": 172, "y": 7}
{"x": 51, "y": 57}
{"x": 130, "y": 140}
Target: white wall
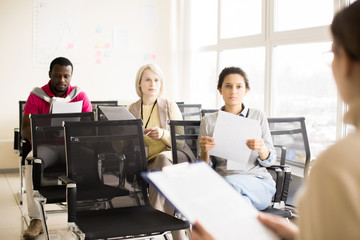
{"x": 111, "y": 80}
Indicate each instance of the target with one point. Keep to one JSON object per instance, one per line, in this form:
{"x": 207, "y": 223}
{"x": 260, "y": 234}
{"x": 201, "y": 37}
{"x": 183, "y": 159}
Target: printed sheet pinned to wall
{"x": 57, "y": 30}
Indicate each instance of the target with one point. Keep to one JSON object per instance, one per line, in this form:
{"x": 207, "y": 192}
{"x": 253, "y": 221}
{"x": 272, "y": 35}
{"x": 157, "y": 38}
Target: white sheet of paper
{"x": 231, "y": 133}
{"x": 71, "y": 107}
{"x": 202, "y": 195}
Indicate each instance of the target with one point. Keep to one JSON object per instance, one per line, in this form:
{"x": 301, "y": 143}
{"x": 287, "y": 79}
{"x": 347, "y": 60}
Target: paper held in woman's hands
{"x": 200, "y": 194}
{"x": 231, "y": 133}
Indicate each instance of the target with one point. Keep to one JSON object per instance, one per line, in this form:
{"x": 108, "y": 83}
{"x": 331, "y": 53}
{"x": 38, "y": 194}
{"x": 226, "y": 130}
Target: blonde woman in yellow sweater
{"x": 155, "y": 113}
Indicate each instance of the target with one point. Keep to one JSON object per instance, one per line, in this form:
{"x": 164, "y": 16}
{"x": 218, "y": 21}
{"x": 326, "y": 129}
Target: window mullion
{"x": 268, "y": 28}
{"x": 218, "y": 101}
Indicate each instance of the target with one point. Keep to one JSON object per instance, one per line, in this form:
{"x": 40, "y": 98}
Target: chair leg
{"x": 21, "y": 190}
{"x": 76, "y": 231}
{"x": 168, "y": 236}
{"x": 42, "y": 202}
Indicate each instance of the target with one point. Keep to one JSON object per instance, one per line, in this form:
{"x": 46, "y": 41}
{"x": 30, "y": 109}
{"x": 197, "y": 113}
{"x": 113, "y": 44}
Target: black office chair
{"x": 189, "y": 133}
{"x": 130, "y": 215}
{"x": 292, "y": 144}
{"x": 95, "y": 105}
{"x": 183, "y": 133}
{"x": 190, "y": 111}
{"x": 21, "y": 147}
{"x": 291, "y": 133}
{"x": 204, "y": 112}
{"x": 48, "y": 159}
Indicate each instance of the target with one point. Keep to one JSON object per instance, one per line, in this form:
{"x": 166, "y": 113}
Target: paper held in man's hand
{"x": 200, "y": 194}
{"x": 231, "y": 133}
{"x": 70, "y": 107}
{"x": 65, "y": 107}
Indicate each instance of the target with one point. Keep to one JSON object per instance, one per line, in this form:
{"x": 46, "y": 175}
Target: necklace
{"x": 150, "y": 112}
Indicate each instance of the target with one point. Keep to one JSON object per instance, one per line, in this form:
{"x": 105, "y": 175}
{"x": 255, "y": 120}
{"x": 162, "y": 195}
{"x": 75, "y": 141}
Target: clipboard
{"x": 200, "y": 194}
{"x": 116, "y": 113}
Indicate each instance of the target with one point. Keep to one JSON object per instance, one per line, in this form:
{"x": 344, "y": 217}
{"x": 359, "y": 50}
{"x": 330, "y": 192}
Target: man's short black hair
{"x": 62, "y": 62}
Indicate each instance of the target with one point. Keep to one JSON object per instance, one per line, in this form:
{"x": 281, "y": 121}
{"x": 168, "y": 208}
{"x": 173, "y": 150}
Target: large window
{"x": 240, "y": 18}
{"x": 280, "y": 44}
{"x": 290, "y": 15}
{"x": 303, "y": 85}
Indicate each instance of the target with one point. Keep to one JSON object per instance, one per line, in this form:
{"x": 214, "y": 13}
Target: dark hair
{"x": 232, "y": 70}
{"x": 345, "y": 29}
{"x": 62, "y": 62}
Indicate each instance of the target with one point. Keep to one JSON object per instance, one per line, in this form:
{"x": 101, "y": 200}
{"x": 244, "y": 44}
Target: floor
{"x": 12, "y": 222}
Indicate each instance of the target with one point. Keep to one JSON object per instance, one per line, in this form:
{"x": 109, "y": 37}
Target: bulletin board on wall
{"x": 60, "y": 27}
{"x": 56, "y": 30}
{"x": 107, "y": 41}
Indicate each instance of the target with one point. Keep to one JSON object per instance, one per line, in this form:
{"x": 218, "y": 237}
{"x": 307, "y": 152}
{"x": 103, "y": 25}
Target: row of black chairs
{"x": 113, "y": 159}
{"x": 291, "y": 143}
{"x": 193, "y": 111}
{"x": 22, "y": 147}
{"x": 101, "y": 183}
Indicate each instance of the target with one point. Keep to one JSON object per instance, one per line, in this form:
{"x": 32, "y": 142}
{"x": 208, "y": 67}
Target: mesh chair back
{"x": 95, "y": 105}
{"x": 204, "y": 112}
{"x": 116, "y": 145}
{"x": 291, "y": 140}
{"x": 184, "y": 135}
{"x": 190, "y": 111}
{"x": 48, "y": 140}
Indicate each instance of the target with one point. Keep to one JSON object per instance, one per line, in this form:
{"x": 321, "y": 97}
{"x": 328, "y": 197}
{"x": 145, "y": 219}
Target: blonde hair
{"x": 153, "y": 67}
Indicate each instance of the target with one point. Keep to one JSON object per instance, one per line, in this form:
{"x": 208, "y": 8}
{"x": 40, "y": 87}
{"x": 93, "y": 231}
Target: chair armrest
{"x": 286, "y": 179}
{"x": 279, "y": 181}
{"x": 65, "y": 180}
{"x": 24, "y": 149}
{"x": 286, "y": 184}
{"x": 29, "y": 160}
{"x": 37, "y": 172}
{"x": 283, "y": 154}
{"x": 71, "y": 191}
{"x": 16, "y": 140}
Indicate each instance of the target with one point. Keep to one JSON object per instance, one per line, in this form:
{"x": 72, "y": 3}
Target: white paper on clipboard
{"x": 200, "y": 194}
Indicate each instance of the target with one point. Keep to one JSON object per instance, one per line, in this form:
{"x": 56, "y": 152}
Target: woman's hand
{"x": 154, "y": 132}
{"x": 206, "y": 144}
{"x": 198, "y": 232}
{"x": 282, "y": 228}
{"x": 258, "y": 145}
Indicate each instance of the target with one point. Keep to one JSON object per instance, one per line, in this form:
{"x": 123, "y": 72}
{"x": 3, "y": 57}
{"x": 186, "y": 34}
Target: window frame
{"x": 269, "y": 39}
